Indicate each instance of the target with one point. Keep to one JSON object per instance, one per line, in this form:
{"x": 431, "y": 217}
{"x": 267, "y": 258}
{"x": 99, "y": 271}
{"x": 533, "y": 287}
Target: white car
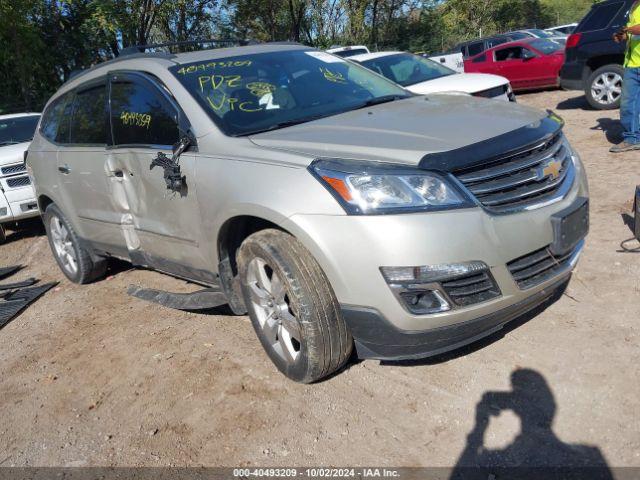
{"x": 423, "y": 76}
{"x": 562, "y": 29}
{"x": 17, "y": 198}
{"x": 454, "y": 61}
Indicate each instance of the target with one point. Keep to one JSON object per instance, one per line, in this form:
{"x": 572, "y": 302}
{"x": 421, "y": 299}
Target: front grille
{"x": 471, "y": 289}
{"x": 539, "y": 266}
{"x": 492, "y": 92}
{"x": 520, "y": 180}
{"x": 12, "y": 169}
{"x": 18, "y": 182}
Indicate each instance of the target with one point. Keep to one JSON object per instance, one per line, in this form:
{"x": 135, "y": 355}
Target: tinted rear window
{"x": 53, "y": 118}
{"x": 599, "y": 17}
{"x": 88, "y": 125}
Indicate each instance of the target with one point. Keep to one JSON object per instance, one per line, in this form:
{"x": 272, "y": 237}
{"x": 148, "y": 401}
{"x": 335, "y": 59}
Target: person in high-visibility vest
{"x": 630, "y": 102}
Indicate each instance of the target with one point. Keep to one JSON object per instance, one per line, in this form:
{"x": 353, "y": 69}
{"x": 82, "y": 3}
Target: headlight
{"x": 365, "y": 188}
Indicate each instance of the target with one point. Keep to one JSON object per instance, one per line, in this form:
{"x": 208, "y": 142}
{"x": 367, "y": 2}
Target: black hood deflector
{"x": 493, "y": 149}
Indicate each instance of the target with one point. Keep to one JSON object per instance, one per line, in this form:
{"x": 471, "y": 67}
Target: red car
{"x": 529, "y": 63}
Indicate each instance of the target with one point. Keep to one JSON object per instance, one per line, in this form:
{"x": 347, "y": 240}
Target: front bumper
{"x": 375, "y": 337}
{"x": 351, "y": 250}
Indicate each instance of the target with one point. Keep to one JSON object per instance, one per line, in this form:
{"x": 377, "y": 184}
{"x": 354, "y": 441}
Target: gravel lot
{"x": 90, "y": 376}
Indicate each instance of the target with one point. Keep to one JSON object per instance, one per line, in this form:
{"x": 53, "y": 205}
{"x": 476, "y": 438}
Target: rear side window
{"x": 141, "y": 116}
{"x": 600, "y": 17}
{"x": 54, "y": 117}
{"x": 88, "y": 121}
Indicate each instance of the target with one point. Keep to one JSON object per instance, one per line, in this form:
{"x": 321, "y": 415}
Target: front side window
{"x": 252, "y": 93}
{"x": 141, "y": 115}
{"x": 511, "y": 53}
{"x": 88, "y": 120}
{"x": 17, "y": 129}
{"x": 407, "y": 69}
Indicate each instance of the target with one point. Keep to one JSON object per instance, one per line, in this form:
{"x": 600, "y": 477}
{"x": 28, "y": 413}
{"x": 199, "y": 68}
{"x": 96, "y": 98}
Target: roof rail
{"x": 206, "y": 41}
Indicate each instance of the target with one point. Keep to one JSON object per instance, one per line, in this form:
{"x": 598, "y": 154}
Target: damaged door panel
{"x": 161, "y": 227}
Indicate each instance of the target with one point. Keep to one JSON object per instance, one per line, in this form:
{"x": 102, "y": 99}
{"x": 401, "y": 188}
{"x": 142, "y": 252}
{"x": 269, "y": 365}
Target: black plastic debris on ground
{"x": 8, "y": 271}
{"x": 15, "y": 297}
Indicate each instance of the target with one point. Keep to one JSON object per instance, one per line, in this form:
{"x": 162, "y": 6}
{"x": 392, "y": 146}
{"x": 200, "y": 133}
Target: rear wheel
{"x": 604, "y": 87}
{"x": 73, "y": 259}
{"x": 292, "y": 307}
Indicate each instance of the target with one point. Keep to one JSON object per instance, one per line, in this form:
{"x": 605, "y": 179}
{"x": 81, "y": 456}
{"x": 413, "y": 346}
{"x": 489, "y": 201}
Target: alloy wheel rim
{"x": 607, "y": 88}
{"x": 271, "y": 304}
{"x": 63, "y": 246}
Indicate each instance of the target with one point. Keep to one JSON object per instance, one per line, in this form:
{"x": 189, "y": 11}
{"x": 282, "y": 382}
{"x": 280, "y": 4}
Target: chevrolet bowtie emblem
{"x": 550, "y": 169}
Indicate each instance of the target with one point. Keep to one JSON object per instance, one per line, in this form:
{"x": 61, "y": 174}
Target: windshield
{"x": 407, "y": 69}
{"x": 18, "y": 129}
{"x": 252, "y": 93}
{"x": 545, "y": 46}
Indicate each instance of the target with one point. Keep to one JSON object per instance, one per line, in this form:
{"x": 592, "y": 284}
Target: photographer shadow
{"x": 536, "y": 452}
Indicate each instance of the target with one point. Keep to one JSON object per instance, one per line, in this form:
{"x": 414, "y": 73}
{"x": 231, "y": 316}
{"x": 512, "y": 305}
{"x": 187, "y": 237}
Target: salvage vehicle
{"x": 527, "y": 64}
{"x": 593, "y": 60}
{"x": 17, "y": 198}
{"x": 335, "y": 207}
{"x": 423, "y": 76}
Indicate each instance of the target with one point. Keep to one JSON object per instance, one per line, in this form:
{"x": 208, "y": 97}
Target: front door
{"x": 163, "y": 227}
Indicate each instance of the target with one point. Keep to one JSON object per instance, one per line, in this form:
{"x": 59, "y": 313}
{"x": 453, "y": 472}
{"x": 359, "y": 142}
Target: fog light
{"x": 424, "y": 302}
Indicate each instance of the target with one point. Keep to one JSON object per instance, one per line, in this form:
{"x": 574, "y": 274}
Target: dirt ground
{"x": 90, "y": 376}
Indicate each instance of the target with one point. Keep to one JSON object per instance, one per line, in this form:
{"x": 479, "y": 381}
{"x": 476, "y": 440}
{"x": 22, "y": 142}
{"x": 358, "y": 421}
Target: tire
{"x": 292, "y": 307}
{"x": 609, "y": 74}
{"x": 68, "y": 250}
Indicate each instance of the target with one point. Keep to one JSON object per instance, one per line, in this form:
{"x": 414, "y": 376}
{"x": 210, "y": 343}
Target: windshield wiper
{"x": 8, "y": 142}
{"x": 378, "y": 100}
{"x": 286, "y": 123}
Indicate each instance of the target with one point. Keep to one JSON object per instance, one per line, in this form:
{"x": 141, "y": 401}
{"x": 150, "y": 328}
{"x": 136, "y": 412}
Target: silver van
{"x": 336, "y": 208}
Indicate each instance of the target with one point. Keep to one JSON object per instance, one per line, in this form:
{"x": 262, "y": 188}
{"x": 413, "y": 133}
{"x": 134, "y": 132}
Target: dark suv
{"x": 593, "y": 60}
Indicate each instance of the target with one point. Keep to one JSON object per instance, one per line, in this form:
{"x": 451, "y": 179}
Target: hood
{"x": 403, "y": 131}
{"x": 10, "y": 154}
{"x": 462, "y": 82}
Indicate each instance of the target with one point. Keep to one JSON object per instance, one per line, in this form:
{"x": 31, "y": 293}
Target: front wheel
{"x": 292, "y": 307}
{"x": 604, "y": 87}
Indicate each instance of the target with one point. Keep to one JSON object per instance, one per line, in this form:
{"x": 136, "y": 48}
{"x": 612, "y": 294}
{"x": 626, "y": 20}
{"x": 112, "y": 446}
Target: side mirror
{"x": 528, "y": 55}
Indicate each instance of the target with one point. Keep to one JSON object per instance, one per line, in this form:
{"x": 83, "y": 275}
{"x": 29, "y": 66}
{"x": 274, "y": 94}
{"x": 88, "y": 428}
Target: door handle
{"x": 64, "y": 169}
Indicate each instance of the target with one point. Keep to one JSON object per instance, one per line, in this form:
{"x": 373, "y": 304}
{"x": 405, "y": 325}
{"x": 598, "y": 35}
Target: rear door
{"x": 163, "y": 227}
{"x": 85, "y": 193}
